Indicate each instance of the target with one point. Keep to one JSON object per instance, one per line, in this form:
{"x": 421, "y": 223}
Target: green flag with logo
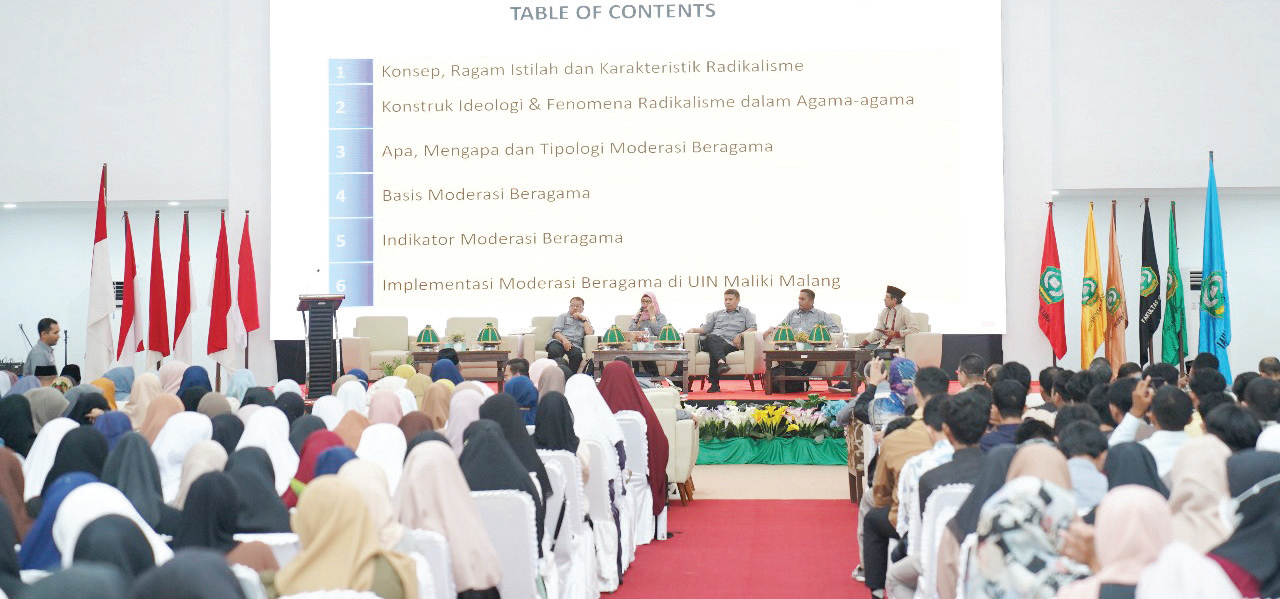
{"x": 1174, "y": 329}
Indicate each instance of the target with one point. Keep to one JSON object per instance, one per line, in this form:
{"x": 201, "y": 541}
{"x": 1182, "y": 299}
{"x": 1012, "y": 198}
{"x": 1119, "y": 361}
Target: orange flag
{"x": 1117, "y": 309}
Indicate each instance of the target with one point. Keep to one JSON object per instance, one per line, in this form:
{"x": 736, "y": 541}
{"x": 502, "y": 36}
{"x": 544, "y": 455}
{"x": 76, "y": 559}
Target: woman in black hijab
{"x": 99, "y": 581}
{"x": 261, "y": 396}
{"x": 131, "y": 468}
{"x": 504, "y": 410}
{"x": 192, "y": 574}
{"x": 291, "y": 404}
{"x": 489, "y": 464}
{"x": 115, "y": 540}
{"x": 1132, "y": 464}
{"x": 227, "y": 429}
{"x": 191, "y": 397}
{"x": 553, "y": 424}
{"x": 83, "y": 449}
{"x": 16, "y": 427}
{"x": 72, "y": 371}
{"x": 83, "y": 405}
{"x": 10, "y": 571}
{"x": 1253, "y": 477}
{"x": 209, "y": 520}
{"x": 423, "y": 437}
{"x": 301, "y": 428}
{"x": 260, "y": 509}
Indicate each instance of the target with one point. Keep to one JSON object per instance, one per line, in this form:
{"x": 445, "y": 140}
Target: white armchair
{"x": 535, "y": 343}
{"x": 469, "y": 327}
{"x": 747, "y": 362}
{"x": 374, "y": 341}
{"x": 682, "y": 435}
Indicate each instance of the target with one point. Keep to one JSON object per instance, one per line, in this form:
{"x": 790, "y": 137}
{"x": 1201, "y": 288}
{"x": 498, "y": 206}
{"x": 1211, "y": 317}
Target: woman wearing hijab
{"x": 107, "y": 388}
{"x": 435, "y": 404}
{"x": 1251, "y": 556}
{"x": 10, "y": 573}
{"x": 99, "y": 581}
{"x": 291, "y": 404}
{"x": 526, "y": 397}
{"x": 260, "y": 507}
{"x": 408, "y": 401}
{"x": 227, "y": 430}
{"x": 191, "y": 397}
{"x": 145, "y": 389}
{"x": 328, "y": 409}
{"x": 193, "y": 573}
{"x": 1133, "y": 527}
{"x": 178, "y": 436}
{"x": 538, "y": 367}
{"x": 413, "y": 423}
{"x": 314, "y": 445}
{"x": 418, "y": 385}
{"x": 384, "y": 408}
{"x": 371, "y": 482}
{"x": 464, "y": 409}
{"x": 210, "y": 521}
{"x": 122, "y": 377}
{"x": 621, "y": 391}
{"x": 445, "y": 370}
{"x": 6, "y": 382}
{"x": 82, "y": 449}
{"x": 554, "y": 428}
{"x": 501, "y": 408}
{"x": 423, "y": 437}
{"x": 213, "y": 403}
{"x": 162, "y": 408}
{"x": 11, "y": 485}
{"x": 302, "y": 428}
{"x": 360, "y": 375}
{"x": 342, "y": 553}
{"x": 205, "y": 456}
{"x": 25, "y": 384}
{"x": 43, "y": 451}
{"x": 269, "y": 429}
{"x": 247, "y": 412}
{"x": 489, "y": 464}
{"x": 113, "y": 425}
{"x": 17, "y": 428}
{"x": 484, "y": 390}
{"x": 436, "y": 497}
{"x": 353, "y": 397}
{"x": 131, "y": 467}
{"x": 1131, "y": 464}
{"x": 1199, "y": 481}
{"x": 342, "y": 380}
{"x": 192, "y": 377}
{"x": 551, "y": 380}
{"x": 115, "y": 540}
{"x": 258, "y": 396}
{"x": 331, "y": 460}
{"x": 170, "y": 376}
{"x": 650, "y": 319}
{"x": 47, "y": 403}
{"x": 241, "y": 381}
{"x": 384, "y": 445}
{"x": 351, "y": 428}
{"x": 38, "y": 551}
{"x": 87, "y": 406}
{"x": 405, "y": 371}
{"x": 287, "y": 386}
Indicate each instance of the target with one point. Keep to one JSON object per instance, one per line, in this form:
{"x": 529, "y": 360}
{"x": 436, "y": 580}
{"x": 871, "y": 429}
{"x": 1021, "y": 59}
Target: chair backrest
{"x": 250, "y": 582}
{"x": 596, "y": 487}
{"x": 623, "y": 321}
{"x": 665, "y": 400}
{"x": 635, "y": 442}
{"x": 284, "y": 545}
{"x": 922, "y": 321}
{"x": 434, "y": 548}
{"x": 943, "y": 504}
{"x": 469, "y": 326}
{"x": 573, "y": 488}
{"x": 509, "y": 519}
{"x": 541, "y": 329}
{"x": 555, "y": 501}
{"x": 962, "y": 580}
{"x": 384, "y": 332}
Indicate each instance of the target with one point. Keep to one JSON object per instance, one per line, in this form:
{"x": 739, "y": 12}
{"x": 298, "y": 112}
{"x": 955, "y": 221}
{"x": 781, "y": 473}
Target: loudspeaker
{"x": 291, "y": 359}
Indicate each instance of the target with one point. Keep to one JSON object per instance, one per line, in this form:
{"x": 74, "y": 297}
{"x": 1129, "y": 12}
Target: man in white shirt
{"x": 1170, "y": 410}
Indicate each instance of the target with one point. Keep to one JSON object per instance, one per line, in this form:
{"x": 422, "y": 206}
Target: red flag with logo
{"x": 1052, "y": 320}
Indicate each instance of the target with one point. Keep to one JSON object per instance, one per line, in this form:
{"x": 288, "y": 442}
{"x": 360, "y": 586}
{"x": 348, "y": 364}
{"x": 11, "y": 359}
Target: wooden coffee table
{"x": 773, "y": 357}
{"x": 427, "y": 358}
{"x": 674, "y": 354}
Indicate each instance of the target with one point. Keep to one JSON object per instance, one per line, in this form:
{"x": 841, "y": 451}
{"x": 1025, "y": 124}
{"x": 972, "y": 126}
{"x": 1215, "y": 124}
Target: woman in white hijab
{"x": 40, "y": 457}
{"x": 88, "y": 503}
{"x": 594, "y": 421}
{"x": 408, "y": 401}
{"x": 287, "y": 386}
{"x": 170, "y": 376}
{"x": 146, "y": 387}
{"x": 180, "y": 433}
{"x": 329, "y": 409}
{"x": 268, "y": 428}
{"x": 384, "y": 445}
{"x": 390, "y": 383}
{"x": 353, "y": 397}
{"x": 477, "y": 386}
{"x": 464, "y": 408}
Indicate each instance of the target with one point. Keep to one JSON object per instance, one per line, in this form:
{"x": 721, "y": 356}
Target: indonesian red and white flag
{"x": 99, "y": 350}
{"x": 157, "y": 312}
{"x": 182, "y": 301}
{"x": 244, "y": 314}
{"x": 130, "y": 341}
{"x": 220, "y": 302}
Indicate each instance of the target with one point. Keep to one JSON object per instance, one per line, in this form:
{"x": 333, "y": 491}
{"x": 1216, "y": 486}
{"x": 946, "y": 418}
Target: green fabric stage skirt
{"x": 742, "y": 450}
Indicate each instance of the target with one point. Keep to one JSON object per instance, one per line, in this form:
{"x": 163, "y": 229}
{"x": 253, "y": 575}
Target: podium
{"x": 319, "y": 318}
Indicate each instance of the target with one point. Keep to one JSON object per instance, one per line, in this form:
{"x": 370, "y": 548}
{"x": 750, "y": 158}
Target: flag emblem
{"x": 1175, "y": 283}
{"x": 1051, "y": 284}
{"x": 1113, "y": 299}
{"x": 1089, "y": 292}
{"x": 1150, "y": 282}
{"x": 1211, "y": 295}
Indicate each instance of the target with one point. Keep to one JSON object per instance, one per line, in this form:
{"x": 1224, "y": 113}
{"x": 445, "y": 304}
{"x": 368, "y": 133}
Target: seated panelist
{"x": 894, "y": 323}
{"x": 568, "y": 332}
{"x": 722, "y": 335}
{"x": 803, "y": 319}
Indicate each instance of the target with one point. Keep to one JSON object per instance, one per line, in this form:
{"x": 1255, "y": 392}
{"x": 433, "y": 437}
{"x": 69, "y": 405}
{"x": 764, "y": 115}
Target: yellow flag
{"x": 1093, "y": 324}
{"x": 1117, "y": 310}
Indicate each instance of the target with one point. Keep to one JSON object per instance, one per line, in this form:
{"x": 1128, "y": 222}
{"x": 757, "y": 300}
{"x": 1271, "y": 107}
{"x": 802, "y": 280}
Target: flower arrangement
{"x": 811, "y": 418}
{"x": 389, "y": 368}
{"x": 457, "y": 338}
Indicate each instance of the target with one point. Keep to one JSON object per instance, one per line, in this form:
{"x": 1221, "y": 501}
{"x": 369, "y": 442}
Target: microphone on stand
{"x": 24, "y": 336}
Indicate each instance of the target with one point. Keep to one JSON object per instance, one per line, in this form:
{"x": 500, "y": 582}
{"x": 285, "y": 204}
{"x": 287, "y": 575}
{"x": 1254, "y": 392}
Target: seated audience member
{"x": 1073, "y": 413}
{"x": 1269, "y": 367}
{"x": 1119, "y": 397}
{"x": 1097, "y": 399}
{"x": 447, "y": 353}
{"x": 1233, "y": 425}
{"x": 568, "y": 332}
{"x": 995, "y": 470}
{"x": 1081, "y": 384}
{"x": 515, "y": 367}
{"x": 1198, "y": 484}
{"x": 644, "y": 381}
{"x": 1032, "y": 429}
{"x": 1263, "y": 397}
{"x": 1133, "y": 529}
{"x": 1086, "y": 451}
{"x": 1046, "y": 378}
{"x": 1060, "y": 382}
{"x": 1170, "y": 409}
{"x": 1015, "y": 371}
{"x": 970, "y": 371}
{"x": 1129, "y": 370}
{"x": 1205, "y": 380}
{"x": 1101, "y": 369}
{"x": 722, "y": 335}
{"x": 914, "y": 468}
{"x": 1006, "y": 412}
{"x": 1249, "y": 556}
{"x": 1207, "y": 404}
{"x": 1242, "y": 380}
{"x": 992, "y": 374}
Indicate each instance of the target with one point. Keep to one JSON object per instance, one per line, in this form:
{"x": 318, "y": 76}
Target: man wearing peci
{"x": 722, "y": 335}
{"x": 894, "y": 323}
{"x": 42, "y": 352}
{"x": 803, "y": 319}
{"x": 568, "y": 332}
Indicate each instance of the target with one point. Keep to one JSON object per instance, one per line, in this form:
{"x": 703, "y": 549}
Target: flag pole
{"x": 246, "y": 333}
{"x": 1182, "y": 351}
{"x": 217, "y": 380}
{"x": 158, "y": 360}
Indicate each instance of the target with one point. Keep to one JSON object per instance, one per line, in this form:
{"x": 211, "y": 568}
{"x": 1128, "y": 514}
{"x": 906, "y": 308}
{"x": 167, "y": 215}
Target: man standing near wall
{"x": 42, "y": 352}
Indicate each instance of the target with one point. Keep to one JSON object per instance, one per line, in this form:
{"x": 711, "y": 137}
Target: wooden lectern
{"x": 319, "y": 318}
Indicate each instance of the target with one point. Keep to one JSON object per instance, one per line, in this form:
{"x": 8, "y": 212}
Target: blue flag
{"x": 1215, "y": 309}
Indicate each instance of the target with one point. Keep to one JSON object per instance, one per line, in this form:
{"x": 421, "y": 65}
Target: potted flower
{"x": 458, "y": 341}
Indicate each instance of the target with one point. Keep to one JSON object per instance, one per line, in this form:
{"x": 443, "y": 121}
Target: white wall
{"x": 1102, "y": 101}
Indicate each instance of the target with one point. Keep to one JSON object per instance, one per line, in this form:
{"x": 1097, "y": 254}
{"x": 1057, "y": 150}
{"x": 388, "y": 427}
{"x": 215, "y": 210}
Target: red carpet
{"x": 739, "y": 390}
{"x": 756, "y": 548}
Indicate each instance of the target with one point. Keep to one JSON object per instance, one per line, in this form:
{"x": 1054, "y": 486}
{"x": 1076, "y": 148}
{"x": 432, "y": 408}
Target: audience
{"x": 1263, "y": 397}
{"x": 971, "y": 371}
{"x": 1234, "y": 425}
{"x": 1010, "y": 400}
{"x": 1086, "y": 451}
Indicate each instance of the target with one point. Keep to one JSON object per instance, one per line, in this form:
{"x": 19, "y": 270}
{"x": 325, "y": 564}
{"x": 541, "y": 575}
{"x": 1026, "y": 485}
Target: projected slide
{"x": 475, "y": 158}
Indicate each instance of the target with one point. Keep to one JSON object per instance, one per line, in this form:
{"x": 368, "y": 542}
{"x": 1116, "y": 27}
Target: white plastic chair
{"x": 637, "y": 477}
{"x": 249, "y": 581}
{"x": 574, "y": 549}
{"x": 554, "y": 503}
{"x": 284, "y": 545}
{"x": 604, "y": 531}
{"x": 509, "y": 519}
{"x": 433, "y": 548}
{"x": 962, "y": 580}
{"x": 943, "y": 504}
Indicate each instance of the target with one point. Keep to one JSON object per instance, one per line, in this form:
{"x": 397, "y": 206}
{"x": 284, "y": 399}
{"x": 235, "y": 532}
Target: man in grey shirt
{"x": 722, "y": 335}
{"x": 567, "y": 333}
{"x": 42, "y": 352}
{"x": 803, "y": 319}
